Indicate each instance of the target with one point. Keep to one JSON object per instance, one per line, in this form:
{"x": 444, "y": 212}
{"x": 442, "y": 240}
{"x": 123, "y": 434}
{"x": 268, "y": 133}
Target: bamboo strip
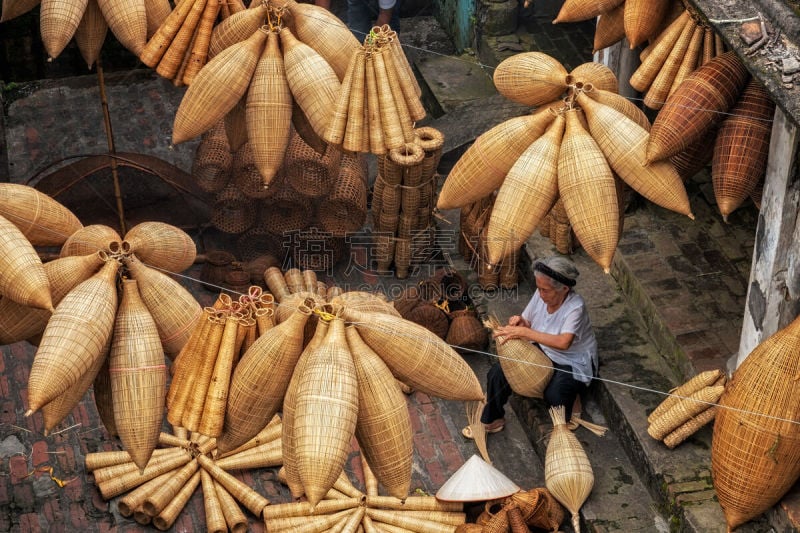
{"x": 167, "y": 517}
{"x": 158, "y": 44}
{"x": 254, "y": 502}
{"x": 135, "y": 498}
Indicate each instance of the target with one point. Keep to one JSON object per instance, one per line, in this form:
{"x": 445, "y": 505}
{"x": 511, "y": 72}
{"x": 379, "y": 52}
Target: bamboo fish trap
{"x": 43, "y": 220}
{"x": 527, "y": 369}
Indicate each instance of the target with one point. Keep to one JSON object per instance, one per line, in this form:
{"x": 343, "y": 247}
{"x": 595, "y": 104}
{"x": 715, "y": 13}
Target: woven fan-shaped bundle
{"x": 741, "y": 148}
{"x": 417, "y": 356}
{"x": 75, "y": 337}
{"x": 269, "y": 102}
{"x": 696, "y": 105}
{"x": 624, "y": 144}
{"x": 162, "y": 245}
{"x": 138, "y": 376}
{"x": 43, "y": 220}
{"x": 252, "y": 399}
{"x": 217, "y": 88}
{"x": 19, "y": 322}
{"x": 91, "y": 33}
{"x": 526, "y": 195}
{"x": 577, "y": 10}
{"x": 22, "y": 276}
{"x": 530, "y": 78}
{"x": 127, "y": 20}
{"x": 484, "y": 165}
{"x": 568, "y": 473}
{"x": 326, "y": 409}
{"x": 587, "y": 187}
{"x": 755, "y": 451}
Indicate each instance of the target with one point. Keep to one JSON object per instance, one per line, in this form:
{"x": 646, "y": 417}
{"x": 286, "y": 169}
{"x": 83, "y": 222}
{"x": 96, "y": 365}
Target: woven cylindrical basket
{"x": 233, "y": 212}
{"x": 530, "y": 78}
{"x": 526, "y": 367}
{"x": 345, "y": 209}
{"x": 287, "y": 212}
{"x": 308, "y": 172}
{"x": 213, "y": 160}
{"x": 257, "y": 242}
{"x": 246, "y": 176}
{"x": 466, "y": 331}
{"x": 430, "y": 317}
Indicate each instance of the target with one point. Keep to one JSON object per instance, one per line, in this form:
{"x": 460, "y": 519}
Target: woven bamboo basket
{"x": 599, "y": 75}
{"x": 288, "y": 212}
{"x": 691, "y": 60}
{"x": 162, "y": 246}
{"x": 215, "y": 519}
{"x": 690, "y": 427}
{"x": 196, "y": 57}
{"x": 701, "y": 380}
{"x": 466, "y": 331}
{"x": 258, "y": 243}
{"x": 587, "y": 189}
{"x": 252, "y": 400}
{"x": 138, "y": 376}
{"x": 568, "y": 473}
{"x": 253, "y": 501}
{"x": 643, "y": 18}
{"x": 696, "y": 105}
{"x": 216, "y": 398}
{"x": 14, "y": 8}
{"x": 620, "y": 103}
{"x": 686, "y": 408}
{"x": 89, "y": 240}
{"x": 527, "y": 194}
{"x": 75, "y": 337}
{"x": 754, "y": 458}
{"x": 102, "y": 398}
{"x": 127, "y": 21}
{"x": 42, "y": 220}
{"x": 530, "y": 78}
{"x": 539, "y": 508}
{"x": 212, "y": 162}
{"x": 173, "y": 63}
{"x": 484, "y": 165}
{"x": 430, "y": 317}
{"x": 365, "y": 302}
{"x": 741, "y": 148}
{"x": 624, "y": 144}
{"x": 217, "y": 88}
{"x": 215, "y": 267}
{"x": 19, "y": 322}
{"x": 577, "y": 10}
{"x": 173, "y": 308}
{"x": 313, "y": 82}
{"x": 247, "y": 177}
{"x": 527, "y": 369}
{"x": 236, "y": 29}
{"x": 353, "y": 137}
{"x": 170, "y": 513}
{"x": 161, "y": 41}
{"x": 91, "y": 33}
{"x": 309, "y": 173}
{"x": 660, "y": 88}
{"x": 417, "y": 356}
{"x": 233, "y": 212}
{"x": 345, "y": 210}
{"x": 234, "y": 517}
{"x": 610, "y": 28}
{"x": 269, "y": 101}
{"x": 383, "y": 427}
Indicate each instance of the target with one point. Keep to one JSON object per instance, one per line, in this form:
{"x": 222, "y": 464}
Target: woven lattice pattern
{"x": 577, "y": 10}
{"x": 610, "y": 28}
{"x": 530, "y": 78}
{"x": 232, "y": 211}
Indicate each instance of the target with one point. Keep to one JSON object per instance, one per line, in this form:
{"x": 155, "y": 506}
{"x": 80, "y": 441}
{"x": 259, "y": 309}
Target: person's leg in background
{"x": 497, "y": 393}
{"x": 360, "y": 14}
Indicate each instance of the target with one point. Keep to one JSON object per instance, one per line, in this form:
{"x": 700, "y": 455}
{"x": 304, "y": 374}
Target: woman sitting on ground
{"x": 556, "y": 320}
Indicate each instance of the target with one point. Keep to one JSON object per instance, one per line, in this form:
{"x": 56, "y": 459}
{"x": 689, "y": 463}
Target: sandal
{"x": 467, "y": 431}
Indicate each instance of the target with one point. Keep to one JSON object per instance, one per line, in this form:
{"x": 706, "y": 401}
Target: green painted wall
{"x": 457, "y": 17}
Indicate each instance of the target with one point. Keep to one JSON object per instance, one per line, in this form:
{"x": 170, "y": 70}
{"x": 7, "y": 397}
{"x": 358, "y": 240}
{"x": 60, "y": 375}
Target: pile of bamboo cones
{"x": 402, "y": 202}
{"x": 158, "y": 494}
{"x": 687, "y": 408}
{"x": 379, "y": 101}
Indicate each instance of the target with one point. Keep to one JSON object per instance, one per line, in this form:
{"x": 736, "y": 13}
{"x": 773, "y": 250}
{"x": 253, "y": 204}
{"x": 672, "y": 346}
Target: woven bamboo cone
{"x": 599, "y": 75}
{"x": 406, "y": 81}
{"x": 659, "y": 90}
{"x": 135, "y": 498}
{"x": 96, "y": 460}
{"x": 413, "y": 523}
{"x": 621, "y": 104}
{"x": 417, "y": 356}
{"x": 383, "y": 428}
{"x": 276, "y": 283}
{"x": 170, "y": 513}
{"x": 441, "y": 517}
{"x": 643, "y": 18}
{"x": 624, "y": 144}
{"x": 741, "y": 148}
{"x": 370, "y": 481}
{"x": 587, "y": 187}
{"x": 128, "y": 21}
{"x": 389, "y": 528}
{"x": 312, "y": 81}
{"x": 213, "y": 416}
{"x": 354, "y": 128}
{"x": 201, "y": 376}
{"x": 485, "y": 164}
{"x": 376, "y": 141}
{"x": 326, "y": 408}
{"x": 170, "y": 63}
{"x": 217, "y": 88}
{"x": 142, "y": 518}
{"x": 234, "y": 517}
{"x": 236, "y": 28}
{"x": 303, "y": 509}
{"x": 173, "y": 308}
{"x": 138, "y": 376}
{"x": 390, "y": 120}
{"x": 198, "y": 53}
{"x": 162, "y": 245}
{"x": 306, "y": 523}
{"x": 125, "y": 482}
{"x": 578, "y": 10}
{"x": 88, "y": 240}
{"x": 400, "y": 102}
{"x": 567, "y": 471}
{"x": 270, "y": 432}
{"x": 287, "y": 437}
{"x": 269, "y": 101}
{"x": 610, "y": 28}
{"x": 215, "y": 519}
{"x": 685, "y": 409}
{"x": 184, "y": 366}
{"x": 252, "y": 399}
{"x": 157, "y": 13}
{"x": 14, "y": 8}
{"x": 696, "y": 106}
{"x": 254, "y": 502}
{"x": 159, "y": 498}
{"x": 75, "y": 337}
{"x": 22, "y": 276}
{"x": 703, "y": 379}
{"x": 42, "y": 220}
{"x": 108, "y": 473}
{"x": 262, "y": 456}
{"x": 177, "y": 80}
{"x": 402, "y": 61}
{"x": 691, "y": 60}
{"x": 527, "y": 194}
{"x": 91, "y": 33}
{"x": 530, "y": 78}
{"x": 651, "y": 65}
{"x": 413, "y": 503}
{"x": 20, "y": 322}
{"x": 708, "y": 46}
{"x": 690, "y": 427}
{"x": 336, "y": 127}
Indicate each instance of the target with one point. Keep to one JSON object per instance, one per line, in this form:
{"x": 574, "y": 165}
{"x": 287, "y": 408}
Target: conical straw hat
{"x": 476, "y": 480}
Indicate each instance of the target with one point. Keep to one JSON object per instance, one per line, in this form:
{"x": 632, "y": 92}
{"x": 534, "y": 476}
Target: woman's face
{"x": 549, "y": 294}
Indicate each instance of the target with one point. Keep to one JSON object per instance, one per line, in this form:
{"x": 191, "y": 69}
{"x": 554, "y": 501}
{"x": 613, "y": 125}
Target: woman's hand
{"x": 517, "y": 320}
{"x": 505, "y": 333}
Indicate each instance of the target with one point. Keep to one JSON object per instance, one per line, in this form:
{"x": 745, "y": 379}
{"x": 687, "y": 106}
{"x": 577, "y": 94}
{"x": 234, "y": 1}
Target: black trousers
{"x": 561, "y": 390}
